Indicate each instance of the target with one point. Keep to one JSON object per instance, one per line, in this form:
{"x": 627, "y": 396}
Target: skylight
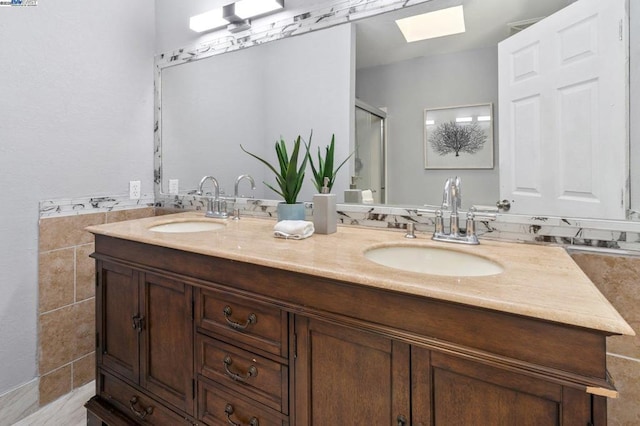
{"x": 439, "y": 23}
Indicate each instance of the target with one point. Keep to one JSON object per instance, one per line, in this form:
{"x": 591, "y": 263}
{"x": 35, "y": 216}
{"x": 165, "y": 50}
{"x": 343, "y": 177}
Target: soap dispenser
{"x": 353, "y": 195}
{"x": 325, "y": 216}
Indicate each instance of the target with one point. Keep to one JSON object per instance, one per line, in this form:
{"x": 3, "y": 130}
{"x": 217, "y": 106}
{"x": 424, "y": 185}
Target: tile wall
{"x": 618, "y": 278}
{"x": 66, "y": 306}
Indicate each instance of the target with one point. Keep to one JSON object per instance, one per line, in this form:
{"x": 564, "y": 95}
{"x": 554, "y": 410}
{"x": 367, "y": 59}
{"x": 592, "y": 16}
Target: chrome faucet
{"x": 236, "y": 210}
{"x": 249, "y": 178}
{"x": 213, "y": 204}
{"x": 452, "y": 200}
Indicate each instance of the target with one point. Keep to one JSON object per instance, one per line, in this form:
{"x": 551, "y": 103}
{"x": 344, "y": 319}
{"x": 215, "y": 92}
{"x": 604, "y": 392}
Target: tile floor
{"x": 68, "y": 410}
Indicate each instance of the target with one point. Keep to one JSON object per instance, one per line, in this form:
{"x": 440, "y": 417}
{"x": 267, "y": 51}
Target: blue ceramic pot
{"x": 291, "y": 211}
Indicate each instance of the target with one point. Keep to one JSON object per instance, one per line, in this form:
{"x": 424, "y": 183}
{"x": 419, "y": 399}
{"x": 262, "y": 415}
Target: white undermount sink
{"x": 187, "y": 226}
{"x": 433, "y": 261}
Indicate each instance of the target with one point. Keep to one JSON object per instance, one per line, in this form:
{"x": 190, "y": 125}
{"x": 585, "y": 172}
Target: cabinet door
{"x": 167, "y": 341}
{"x": 455, "y": 391}
{"x": 346, "y": 376}
{"x": 116, "y": 313}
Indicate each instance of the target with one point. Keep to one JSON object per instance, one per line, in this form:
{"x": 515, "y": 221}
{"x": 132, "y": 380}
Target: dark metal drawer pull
{"x": 402, "y": 420}
{"x": 140, "y": 413}
{"x": 252, "y": 319}
{"x": 228, "y": 410}
{"x": 252, "y": 372}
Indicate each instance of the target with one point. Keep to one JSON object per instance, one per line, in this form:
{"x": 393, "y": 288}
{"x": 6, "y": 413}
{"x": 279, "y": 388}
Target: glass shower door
{"x": 370, "y": 168}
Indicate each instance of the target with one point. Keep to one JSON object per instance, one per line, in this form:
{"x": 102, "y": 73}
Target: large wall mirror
{"x": 360, "y": 81}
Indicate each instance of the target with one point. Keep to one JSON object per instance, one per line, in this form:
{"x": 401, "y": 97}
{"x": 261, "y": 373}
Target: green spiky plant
{"x": 325, "y": 165}
{"x": 290, "y": 177}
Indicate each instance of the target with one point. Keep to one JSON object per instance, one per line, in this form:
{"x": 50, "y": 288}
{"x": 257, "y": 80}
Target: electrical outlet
{"x": 173, "y": 186}
{"x": 134, "y": 190}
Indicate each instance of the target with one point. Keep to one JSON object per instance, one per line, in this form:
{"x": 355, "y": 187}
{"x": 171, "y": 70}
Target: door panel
{"x": 118, "y": 297}
{"x": 563, "y": 117}
{"x": 167, "y": 365}
{"x": 349, "y": 376}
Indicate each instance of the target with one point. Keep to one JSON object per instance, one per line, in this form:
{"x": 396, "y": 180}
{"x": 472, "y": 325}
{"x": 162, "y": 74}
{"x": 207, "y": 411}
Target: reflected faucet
{"x": 236, "y": 210}
{"x": 213, "y": 204}
{"x": 249, "y": 178}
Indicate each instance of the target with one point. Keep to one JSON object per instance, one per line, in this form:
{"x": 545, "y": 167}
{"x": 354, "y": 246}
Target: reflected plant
{"x": 325, "y": 165}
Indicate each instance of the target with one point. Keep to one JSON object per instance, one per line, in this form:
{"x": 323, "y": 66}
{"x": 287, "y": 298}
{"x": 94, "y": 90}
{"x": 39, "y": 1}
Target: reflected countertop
{"x": 538, "y": 281}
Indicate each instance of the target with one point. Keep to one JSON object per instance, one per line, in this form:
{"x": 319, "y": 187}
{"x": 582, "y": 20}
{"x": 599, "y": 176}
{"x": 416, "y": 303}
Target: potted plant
{"x": 325, "y": 166}
{"x": 289, "y": 178}
{"x": 325, "y": 216}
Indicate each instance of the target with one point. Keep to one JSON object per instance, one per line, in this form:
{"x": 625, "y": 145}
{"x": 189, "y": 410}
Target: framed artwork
{"x": 459, "y": 137}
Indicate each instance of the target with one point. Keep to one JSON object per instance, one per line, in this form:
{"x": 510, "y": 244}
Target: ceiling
{"x": 379, "y": 40}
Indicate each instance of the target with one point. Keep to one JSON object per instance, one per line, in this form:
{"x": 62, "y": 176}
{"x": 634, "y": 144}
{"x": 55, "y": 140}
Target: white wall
{"x": 209, "y": 108}
{"x": 406, "y": 89}
{"x": 76, "y": 102}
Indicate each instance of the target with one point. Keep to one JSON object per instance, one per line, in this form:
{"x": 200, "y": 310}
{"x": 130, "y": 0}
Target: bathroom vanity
{"x": 234, "y": 327}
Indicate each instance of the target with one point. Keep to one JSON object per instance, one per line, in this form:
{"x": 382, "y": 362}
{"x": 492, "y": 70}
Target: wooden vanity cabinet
{"x": 212, "y": 341}
{"x": 144, "y": 337}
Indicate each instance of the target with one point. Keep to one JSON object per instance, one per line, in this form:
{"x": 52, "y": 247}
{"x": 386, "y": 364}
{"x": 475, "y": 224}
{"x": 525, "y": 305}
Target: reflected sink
{"x": 433, "y": 261}
{"x": 187, "y": 226}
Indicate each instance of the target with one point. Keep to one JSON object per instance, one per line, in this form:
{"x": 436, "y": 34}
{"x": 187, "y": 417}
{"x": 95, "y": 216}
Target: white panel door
{"x": 563, "y": 113}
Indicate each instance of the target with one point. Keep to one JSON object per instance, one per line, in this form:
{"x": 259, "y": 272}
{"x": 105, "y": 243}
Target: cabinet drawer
{"x": 218, "y": 406}
{"x": 242, "y": 320}
{"x": 261, "y": 379}
{"x": 135, "y": 404}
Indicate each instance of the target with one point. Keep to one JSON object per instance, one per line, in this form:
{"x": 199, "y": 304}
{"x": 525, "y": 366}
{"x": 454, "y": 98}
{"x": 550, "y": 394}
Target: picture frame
{"x": 459, "y": 137}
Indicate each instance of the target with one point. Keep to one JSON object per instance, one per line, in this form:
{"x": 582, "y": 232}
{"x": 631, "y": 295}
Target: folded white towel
{"x": 294, "y": 229}
{"x": 367, "y": 196}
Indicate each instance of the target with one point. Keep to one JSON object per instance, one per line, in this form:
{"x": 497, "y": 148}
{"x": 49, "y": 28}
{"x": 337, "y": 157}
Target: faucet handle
{"x": 482, "y": 212}
{"x": 411, "y": 230}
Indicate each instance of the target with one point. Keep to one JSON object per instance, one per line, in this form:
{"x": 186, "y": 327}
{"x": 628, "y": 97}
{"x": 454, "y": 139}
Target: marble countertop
{"x": 538, "y": 281}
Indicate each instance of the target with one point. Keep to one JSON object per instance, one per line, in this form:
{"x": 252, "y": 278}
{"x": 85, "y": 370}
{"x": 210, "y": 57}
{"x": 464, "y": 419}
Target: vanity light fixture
{"x": 464, "y": 119}
{"x": 484, "y": 118}
{"x": 207, "y": 21}
{"x": 245, "y": 9}
{"x": 434, "y": 24}
{"x": 235, "y": 16}
{"x": 430, "y": 122}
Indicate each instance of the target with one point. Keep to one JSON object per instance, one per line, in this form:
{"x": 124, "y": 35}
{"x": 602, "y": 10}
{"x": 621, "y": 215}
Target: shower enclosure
{"x": 370, "y": 151}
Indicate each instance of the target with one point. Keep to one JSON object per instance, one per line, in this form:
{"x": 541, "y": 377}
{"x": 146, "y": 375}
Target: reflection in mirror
{"x": 291, "y": 86}
{"x": 253, "y": 97}
{"x": 407, "y": 78}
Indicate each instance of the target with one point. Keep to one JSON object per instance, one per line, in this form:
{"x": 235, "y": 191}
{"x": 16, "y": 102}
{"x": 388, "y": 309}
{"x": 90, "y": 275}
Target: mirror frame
{"x": 615, "y": 234}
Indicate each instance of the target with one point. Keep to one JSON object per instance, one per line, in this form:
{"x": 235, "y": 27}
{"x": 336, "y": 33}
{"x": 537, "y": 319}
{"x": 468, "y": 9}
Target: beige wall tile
{"x": 85, "y": 272}
{"x": 66, "y": 334}
{"x": 55, "y": 384}
{"x": 625, "y": 410}
{"x": 85, "y": 328}
{"x": 67, "y": 231}
{"x": 618, "y": 278}
{"x": 84, "y": 370}
{"x": 55, "y": 279}
{"x": 56, "y": 339}
{"x": 120, "y": 215}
